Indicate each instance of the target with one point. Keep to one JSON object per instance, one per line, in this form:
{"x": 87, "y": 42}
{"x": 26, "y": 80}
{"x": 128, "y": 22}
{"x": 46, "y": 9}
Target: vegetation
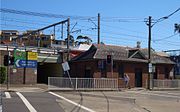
{"x": 83, "y": 40}
{"x": 177, "y": 28}
{"x": 2, "y": 74}
{"x": 79, "y": 40}
{"x": 71, "y": 40}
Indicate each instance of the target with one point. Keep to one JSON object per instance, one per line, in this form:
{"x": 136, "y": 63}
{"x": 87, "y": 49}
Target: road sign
{"x": 65, "y": 66}
{"x": 20, "y": 59}
{"x": 28, "y": 64}
{"x": 150, "y": 67}
{"x": 19, "y": 55}
{"x": 32, "y": 55}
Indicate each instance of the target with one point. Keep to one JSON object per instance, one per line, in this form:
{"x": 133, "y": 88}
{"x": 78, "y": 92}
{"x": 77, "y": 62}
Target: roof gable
{"x": 136, "y": 54}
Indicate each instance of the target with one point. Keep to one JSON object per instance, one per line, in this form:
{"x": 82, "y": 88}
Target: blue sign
{"x": 29, "y": 64}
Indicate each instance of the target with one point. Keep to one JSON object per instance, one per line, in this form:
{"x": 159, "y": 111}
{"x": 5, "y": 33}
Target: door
{"x": 88, "y": 73}
{"x": 155, "y": 74}
{"x": 138, "y": 77}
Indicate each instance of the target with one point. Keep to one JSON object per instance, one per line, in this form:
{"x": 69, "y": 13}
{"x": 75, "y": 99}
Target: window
{"x": 121, "y": 71}
{"x": 103, "y": 68}
{"x": 44, "y": 45}
{"x": 43, "y": 38}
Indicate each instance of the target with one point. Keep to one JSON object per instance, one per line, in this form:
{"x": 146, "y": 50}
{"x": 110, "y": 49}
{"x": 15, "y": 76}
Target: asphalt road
{"x": 41, "y": 102}
{"x": 112, "y": 101}
{"x": 124, "y": 101}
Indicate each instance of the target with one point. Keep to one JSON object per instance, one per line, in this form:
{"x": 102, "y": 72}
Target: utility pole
{"x": 26, "y": 61}
{"x": 98, "y": 28}
{"x": 149, "y": 54}
{"x": 68, "y": 37}
{"x": 7, "y": 70}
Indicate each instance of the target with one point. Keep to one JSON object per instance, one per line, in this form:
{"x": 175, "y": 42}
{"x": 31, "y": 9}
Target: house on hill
{"x": 133, "y": 61}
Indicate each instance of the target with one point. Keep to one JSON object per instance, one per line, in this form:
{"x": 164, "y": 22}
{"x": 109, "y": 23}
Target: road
{"x": 34, "y": 102}
{"x": 111, "y": 101}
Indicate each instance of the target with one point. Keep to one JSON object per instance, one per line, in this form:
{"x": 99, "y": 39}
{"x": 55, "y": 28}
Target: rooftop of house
{"x": 99, "y": 51}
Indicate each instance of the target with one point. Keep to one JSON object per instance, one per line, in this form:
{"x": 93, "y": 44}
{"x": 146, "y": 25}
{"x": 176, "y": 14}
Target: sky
{"x": 123, "y": 22}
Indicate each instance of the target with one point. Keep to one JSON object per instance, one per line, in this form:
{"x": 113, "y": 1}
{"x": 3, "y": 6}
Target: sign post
{"x": 66, "y": 68}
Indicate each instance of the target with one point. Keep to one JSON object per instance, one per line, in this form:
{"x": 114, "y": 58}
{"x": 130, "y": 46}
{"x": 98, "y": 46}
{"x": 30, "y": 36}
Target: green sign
{"x": 19, "y": 55}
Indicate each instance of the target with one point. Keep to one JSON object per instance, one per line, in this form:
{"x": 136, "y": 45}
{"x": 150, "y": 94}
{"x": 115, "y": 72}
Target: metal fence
{"x": 62, "y": 83}
{"x": 166, "y": 83}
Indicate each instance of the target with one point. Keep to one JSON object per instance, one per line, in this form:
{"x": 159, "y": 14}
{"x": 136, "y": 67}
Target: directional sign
{"x": 22, "y": 56}
{"x": 28, "y": 64}
{"x": 19, "y": 55}
{"x": 32, "y": 55}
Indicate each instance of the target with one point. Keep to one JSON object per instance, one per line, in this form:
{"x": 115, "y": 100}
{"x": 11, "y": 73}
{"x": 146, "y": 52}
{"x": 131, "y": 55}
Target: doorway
{"x": 46, "y": 70}
{"x": 88, "y": 73}
{"x": 138, "y": 77}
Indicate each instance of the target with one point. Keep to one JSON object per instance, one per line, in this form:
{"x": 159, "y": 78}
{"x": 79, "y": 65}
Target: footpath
{"x": 44, "y": 87}
{"x": 24, "y": 88}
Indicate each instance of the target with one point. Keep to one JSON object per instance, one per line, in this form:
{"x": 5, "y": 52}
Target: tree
{"x": 2, "y": 75}
{"x": 71, "y": 40}
{"x": 84, "y": 39}
{"x": 177, "y": 28}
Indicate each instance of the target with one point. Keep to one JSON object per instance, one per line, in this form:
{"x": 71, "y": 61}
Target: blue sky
{"x": 122, "y": 21}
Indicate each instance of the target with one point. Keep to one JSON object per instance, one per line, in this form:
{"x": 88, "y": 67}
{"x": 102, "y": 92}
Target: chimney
{"x": 138, "y": 44}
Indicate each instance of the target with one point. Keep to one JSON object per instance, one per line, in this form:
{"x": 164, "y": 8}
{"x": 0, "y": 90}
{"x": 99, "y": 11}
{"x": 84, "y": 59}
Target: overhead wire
{"x": 168, "y": 43}
{"x": 6, "y": 25}
{"x": 49, "y": 15}
{"x": 164, "y": 38}
{"x": 117, "y": 27}
{"x": 11, "y": 20}
{"x": 86, "y": 18}
{"x": 123, "y": 34}
{"x": 25, "y": 20}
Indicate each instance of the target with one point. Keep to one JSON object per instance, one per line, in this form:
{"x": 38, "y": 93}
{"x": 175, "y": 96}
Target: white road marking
{"x": 7, "y": 95}
{"x": 0, "y": 108}
{"x": 81, "y": 106}
{"x": 26, "y": 102}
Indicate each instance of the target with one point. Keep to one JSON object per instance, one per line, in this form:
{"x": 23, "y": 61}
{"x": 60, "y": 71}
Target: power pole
{"x": 26, "y": 62}
{"x": 149, "y": 54}
{"x": 68, "y": 37}
{"x": 7, "y": 70}
{"x": 98, "y": 28}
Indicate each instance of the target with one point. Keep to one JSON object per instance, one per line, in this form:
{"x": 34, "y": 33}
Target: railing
{"x": 166, "y": 83}
{"x": 62, "y": 83}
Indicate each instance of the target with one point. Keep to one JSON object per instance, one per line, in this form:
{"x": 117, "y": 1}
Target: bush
{"x": 2, "y": 74}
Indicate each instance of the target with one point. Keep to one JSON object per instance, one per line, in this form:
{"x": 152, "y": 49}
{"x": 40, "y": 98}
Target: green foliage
{"x": 84, "y": 40}
{"x": 2, "y": 74}
{"x": 177, "y": 28}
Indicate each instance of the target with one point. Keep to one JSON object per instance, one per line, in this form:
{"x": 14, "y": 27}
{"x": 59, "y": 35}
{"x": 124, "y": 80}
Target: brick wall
{"x": 17, "y": 77}
{"x": 78, "y": 70}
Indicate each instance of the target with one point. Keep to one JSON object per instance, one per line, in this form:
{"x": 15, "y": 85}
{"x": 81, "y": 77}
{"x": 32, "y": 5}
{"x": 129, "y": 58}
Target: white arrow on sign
{"x": 17, "y": 63}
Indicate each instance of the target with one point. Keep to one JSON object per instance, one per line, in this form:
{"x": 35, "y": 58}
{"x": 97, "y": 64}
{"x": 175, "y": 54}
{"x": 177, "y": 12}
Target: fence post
{"x": 76, "y": 87}
{"x": 117, "y": 84}
{"x": 163, "y": 83}
{"x": 48, "y": 83}
{"x": 146, "y": 84}
{"x": 94, "y": 84}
